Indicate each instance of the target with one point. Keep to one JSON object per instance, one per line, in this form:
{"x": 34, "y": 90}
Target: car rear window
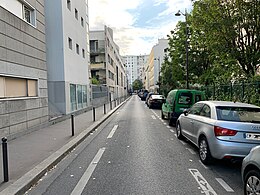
{"x": 239, "y": 114}
{"x": 185, "y": 98}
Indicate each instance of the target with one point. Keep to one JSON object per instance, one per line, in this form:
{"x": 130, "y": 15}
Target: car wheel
{"x": 178, "y": 131}
{"x": 252, "y": 182}
{"x": 204, "y": 152}
{"x": 162, "y": 115}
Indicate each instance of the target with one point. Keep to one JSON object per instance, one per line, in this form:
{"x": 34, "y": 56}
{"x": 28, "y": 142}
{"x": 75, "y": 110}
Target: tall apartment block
{"x": 135, "y": 67}
{"x": 23, "y": 70}
{"x": 67, "y": 55}
{"x": 106, "y": 63}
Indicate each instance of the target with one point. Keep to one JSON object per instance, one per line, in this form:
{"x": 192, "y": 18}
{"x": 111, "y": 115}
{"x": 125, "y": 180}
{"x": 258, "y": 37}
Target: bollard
{"x": 94, "y": 114}
{"x": 115, "y": 103}
{"x": 110, "y": 105}
{"x": 72, "y": 124}
{"x": 5, "y": 159}
{"x": 104, "y": 108}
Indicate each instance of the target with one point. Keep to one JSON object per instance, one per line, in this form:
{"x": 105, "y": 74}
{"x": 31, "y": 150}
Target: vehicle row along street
{"x": 136, "y": 152}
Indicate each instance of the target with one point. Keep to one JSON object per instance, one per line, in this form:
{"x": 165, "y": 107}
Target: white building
{"x": 67, "y": 55}
{"x": 23, "y": 71}
{"x": 154, "y": 64}
{"x": 106, "y": 63}
{"x": 135, "y": 67}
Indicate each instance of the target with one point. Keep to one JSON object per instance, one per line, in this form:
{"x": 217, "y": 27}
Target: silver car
{"x": 221, "y": 129}
{"x": 251, "y": 172}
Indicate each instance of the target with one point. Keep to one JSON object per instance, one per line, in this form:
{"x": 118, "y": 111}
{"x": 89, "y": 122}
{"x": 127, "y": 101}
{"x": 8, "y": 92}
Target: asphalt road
{"x": 136, "y": 152}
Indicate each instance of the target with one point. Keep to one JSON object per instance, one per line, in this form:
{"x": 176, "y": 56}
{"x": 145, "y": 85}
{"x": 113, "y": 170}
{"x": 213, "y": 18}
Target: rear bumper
{"x": 220, "y": 149}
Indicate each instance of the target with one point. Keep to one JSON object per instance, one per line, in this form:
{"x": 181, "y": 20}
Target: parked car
{"x": 144, "y": 95}
{"x": 250, "y": 172}
{"x": 220, "y": 129}
{"x": 148, "y": 96}
{"x": 177, "y": 100}
{"x": 156, "y": 101}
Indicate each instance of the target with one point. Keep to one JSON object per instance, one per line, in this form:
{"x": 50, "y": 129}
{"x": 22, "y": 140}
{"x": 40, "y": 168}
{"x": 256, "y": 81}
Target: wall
{"x": 23, "y": 55}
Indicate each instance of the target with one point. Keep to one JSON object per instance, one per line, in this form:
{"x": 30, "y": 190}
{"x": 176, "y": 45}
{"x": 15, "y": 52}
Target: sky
{"x": 137, "y": 24}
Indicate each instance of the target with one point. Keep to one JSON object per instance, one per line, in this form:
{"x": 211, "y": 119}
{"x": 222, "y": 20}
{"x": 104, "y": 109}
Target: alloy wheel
{"x": 203, "y": 149}
{"x": 253, "y": 185}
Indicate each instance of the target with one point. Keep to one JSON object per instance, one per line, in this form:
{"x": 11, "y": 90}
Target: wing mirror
{"x": 185, "y": 112}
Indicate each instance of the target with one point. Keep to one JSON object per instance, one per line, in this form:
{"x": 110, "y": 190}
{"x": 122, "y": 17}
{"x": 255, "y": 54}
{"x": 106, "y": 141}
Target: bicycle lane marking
{"x": 204, "y": 185}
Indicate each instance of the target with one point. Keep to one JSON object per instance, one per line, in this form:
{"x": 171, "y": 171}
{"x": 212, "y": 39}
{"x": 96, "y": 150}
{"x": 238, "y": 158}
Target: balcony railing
{"x": 97, "y": 51}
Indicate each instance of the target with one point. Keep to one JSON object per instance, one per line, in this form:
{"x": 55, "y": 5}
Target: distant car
{"x": 221, "y": 129}
{"x": 144, "y": 95}
{"x": 148, "y": 96}
{"x": 155, "y": 101}
{"x": 250, "y": 172}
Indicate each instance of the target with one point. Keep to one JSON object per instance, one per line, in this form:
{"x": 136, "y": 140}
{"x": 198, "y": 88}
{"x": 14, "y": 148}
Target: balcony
{"x": 97, "y": 51}
{"x": 98, "y": 65}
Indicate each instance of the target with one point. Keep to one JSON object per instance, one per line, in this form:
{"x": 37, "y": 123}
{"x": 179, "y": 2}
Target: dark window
{"x": 195, "y": 109}
{"x": 185, "y": 98}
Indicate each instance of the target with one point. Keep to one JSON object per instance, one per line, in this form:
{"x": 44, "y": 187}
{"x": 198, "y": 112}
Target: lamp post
{"x": 179, "y": 13}
{"x": 159, "y": 67}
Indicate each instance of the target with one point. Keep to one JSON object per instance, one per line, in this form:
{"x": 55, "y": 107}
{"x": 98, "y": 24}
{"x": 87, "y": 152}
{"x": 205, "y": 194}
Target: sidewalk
{"x": 30, "y": 156}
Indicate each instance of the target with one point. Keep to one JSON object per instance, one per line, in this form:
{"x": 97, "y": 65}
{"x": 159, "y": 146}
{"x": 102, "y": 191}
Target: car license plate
{"x": 252, "y": 136}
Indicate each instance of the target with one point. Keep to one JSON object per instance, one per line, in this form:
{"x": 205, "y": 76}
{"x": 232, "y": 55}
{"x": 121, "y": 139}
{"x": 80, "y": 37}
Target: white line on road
{"x": 168, "y": 127}
{"x": 112, "y": 132}
{"x": 183, "y": 143}
{"x": 86, "y": 176}
{"x": 203, "y": 165}
{"x": 204, "y": 185}
{"x": 171, "y": 131}
{"x": 153, "y": 116}
{"x": 224, "y": 185}
{"x": 191, "y": 151}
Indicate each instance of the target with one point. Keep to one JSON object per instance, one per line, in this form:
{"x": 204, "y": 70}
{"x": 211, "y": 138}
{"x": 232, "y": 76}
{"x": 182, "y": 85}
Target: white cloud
{"x": 132, "y": 40}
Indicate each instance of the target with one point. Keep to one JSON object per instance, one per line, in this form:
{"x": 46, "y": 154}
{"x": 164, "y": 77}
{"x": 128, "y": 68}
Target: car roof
{"x": 228, "y": 103}
{"x": 157, "y": 96}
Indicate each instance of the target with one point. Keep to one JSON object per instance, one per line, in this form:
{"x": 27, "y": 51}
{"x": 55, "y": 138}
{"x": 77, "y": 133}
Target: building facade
{"x": 135, "y": 67}
{"x": 154, "y": 64}
{"x": 106, "y": 63}
{"x": 67, "y": 41}
{"x": 23, "y": 70}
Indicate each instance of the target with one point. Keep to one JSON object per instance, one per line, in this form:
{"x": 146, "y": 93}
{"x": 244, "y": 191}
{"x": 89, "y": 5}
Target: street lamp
{"x": 179, "y": 13}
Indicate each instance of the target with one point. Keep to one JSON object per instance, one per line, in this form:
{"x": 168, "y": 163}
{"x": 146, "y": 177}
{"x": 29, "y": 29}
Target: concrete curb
{"x": 24, "y": 183}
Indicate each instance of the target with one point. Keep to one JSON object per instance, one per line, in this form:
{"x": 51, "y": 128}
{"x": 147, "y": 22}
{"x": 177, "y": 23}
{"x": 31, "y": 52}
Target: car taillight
{"x": 220, "y": 131}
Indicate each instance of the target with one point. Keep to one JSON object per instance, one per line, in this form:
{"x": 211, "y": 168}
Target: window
{"x": 77, "y": 48}
{"x": 82, "y": 21}
{"x": 83, "y": 53}
{"x": 76, "y": 14}
{"x": 70, "y": 43}
{"x": 69, "y": 4}
{"x": 11, "y": 87}
{"x": 29, "y": 14}
{"x": 195, "y": 109}
{"x": 205, "y": 111}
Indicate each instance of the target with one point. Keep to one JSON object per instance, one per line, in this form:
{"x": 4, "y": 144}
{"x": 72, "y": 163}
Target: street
{"x": 136, "y": 152}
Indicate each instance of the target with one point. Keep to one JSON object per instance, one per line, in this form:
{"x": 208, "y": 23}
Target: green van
{"x": 177, "y": 100}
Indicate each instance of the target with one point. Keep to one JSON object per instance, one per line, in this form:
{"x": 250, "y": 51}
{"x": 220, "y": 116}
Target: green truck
{"x": 177, "y": 101}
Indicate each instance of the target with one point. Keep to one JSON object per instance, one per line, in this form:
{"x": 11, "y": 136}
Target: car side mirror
{"x": 185, "y": 112}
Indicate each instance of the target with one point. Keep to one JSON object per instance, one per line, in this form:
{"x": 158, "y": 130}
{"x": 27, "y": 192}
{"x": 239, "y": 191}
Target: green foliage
{"x": 224, "y": 44}
{"x": 95, "y": 81}
{"x": 137, "y": 85}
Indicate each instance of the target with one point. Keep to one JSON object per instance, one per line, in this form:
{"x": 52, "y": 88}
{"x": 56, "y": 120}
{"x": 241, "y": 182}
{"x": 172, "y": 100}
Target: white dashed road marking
{"x": 191, "y": 151}
{"x": 153, "y": 116}
{"x": 112, "y": 132}
{"x": 224, "y": 185}
{"x": 86, "y": 176}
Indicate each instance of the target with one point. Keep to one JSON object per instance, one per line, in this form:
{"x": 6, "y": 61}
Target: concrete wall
{"x": 23, "y": 55}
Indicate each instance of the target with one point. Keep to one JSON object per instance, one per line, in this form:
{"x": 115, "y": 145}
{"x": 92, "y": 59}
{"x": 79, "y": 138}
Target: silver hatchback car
{"x": 220, "y": 129}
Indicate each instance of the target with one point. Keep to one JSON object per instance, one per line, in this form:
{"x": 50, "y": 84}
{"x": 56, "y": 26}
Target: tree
{"x": 231, "y": 29}
{"x": 137, "y": 85}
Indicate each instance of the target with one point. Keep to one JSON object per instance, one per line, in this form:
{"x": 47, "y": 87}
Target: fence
{"x": 243, "y": 92}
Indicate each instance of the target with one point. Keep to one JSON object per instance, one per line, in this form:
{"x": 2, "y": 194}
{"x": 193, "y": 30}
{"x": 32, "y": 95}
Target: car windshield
{"x": 238, "y": 114}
